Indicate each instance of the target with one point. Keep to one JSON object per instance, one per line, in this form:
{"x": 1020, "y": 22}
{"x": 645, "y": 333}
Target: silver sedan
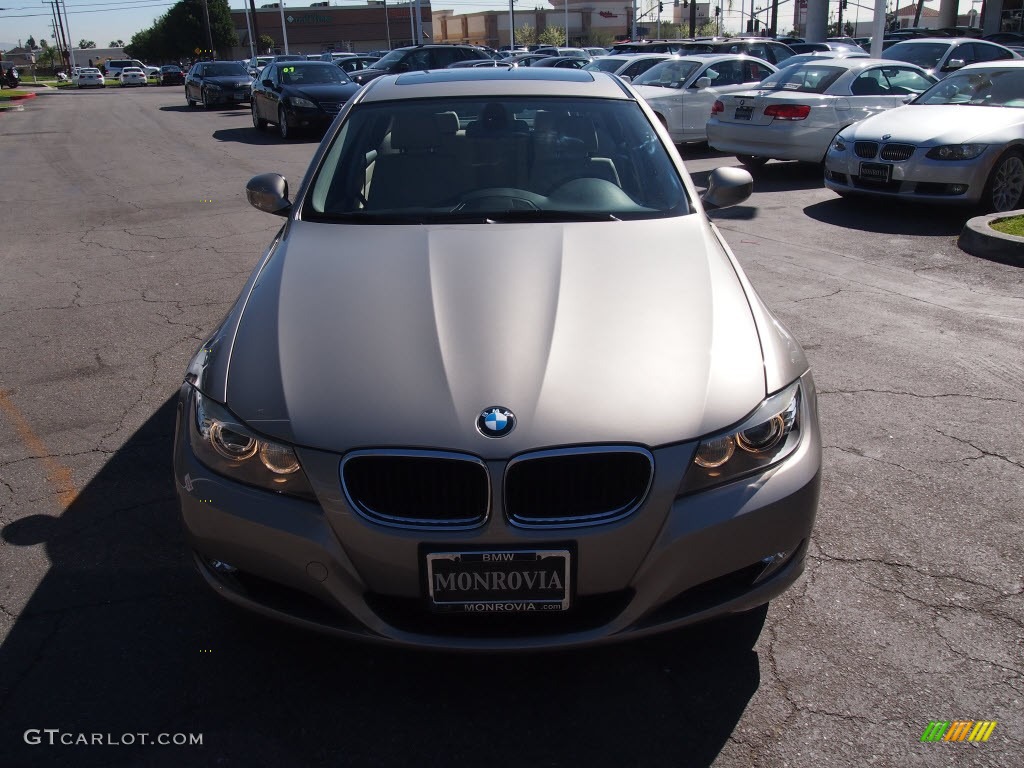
{"x": 962, "y": 141}
{"x": 498, "y": 382}
{"x": 795, "y": 113}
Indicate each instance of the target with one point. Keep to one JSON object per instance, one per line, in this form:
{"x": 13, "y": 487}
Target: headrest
{"x": 447, "y": 123}
{"x": 415, "y": 131}
{"x": 580, "y": 129}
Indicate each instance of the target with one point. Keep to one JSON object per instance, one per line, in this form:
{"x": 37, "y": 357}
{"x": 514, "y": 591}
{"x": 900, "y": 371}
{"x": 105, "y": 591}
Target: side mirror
{"x": 909, "y": 98}
{"x": 402, "y": 67}
{"x": 726, "y": 186}
{"x": 703, "y": 82}
{"x": 626, "y": 78}
{"x": 269, "y": 192}
{"x": 268, "y": 84}
{"x": 953, "y": 64}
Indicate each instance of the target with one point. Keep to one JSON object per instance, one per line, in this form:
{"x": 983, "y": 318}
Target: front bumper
{"x": 918, "y": 178}
{"x": 228, "y": 96}
{"x": 673, "y": 562}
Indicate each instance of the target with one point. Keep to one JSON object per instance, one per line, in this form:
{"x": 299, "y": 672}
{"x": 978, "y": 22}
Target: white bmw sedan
{"x": 682, "y": 91}
{"x": 132, "y": 76}
{"x": 795, "y": 113}
{"x": 962, "y": 141}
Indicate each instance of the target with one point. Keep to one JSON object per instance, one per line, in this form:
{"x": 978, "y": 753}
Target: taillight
{"x": 788, "y": 111}
{"x": 717, "y": 107}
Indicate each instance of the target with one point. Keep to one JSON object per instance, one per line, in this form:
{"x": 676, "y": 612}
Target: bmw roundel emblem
{"x": 495, "y": 421}
{"x": 887, "y": 137}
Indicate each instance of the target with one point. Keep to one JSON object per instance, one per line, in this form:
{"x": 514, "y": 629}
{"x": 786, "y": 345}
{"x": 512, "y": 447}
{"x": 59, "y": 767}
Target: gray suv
{"x": 417, "y": 58}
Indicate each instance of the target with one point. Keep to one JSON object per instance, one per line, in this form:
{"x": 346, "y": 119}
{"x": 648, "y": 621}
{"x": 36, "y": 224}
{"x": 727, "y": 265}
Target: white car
{"x": 132, "y": 76}
{"x": 795, "y": 113}
{"x": 88, "y": 77}
{"x": 627, "y": 66}
{"x": 961, "y": 141}
{"x": 682, "y": 91}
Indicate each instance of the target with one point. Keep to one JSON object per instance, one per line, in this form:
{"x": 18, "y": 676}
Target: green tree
{"x": 601, "y": 38}
{"x": 83, "y": 43}
{"x": 265, "y": 43}
{"x": 31, "y": 43}
{"x": 552, "y": 36}
{"x": 116, "y": 44}
{"x": 526, "y": 35}
{"x": 180, "y": 31}
{"x": 48, "y": 56}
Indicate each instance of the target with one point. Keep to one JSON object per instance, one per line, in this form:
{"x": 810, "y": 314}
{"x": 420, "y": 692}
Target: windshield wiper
{"x": 503, "y": 217}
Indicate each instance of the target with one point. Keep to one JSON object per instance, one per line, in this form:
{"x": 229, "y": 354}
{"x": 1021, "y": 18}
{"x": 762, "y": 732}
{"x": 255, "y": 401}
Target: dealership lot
{"x": 131, "y": 237}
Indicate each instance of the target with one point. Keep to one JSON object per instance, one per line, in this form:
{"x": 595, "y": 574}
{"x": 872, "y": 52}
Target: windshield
{"x": 667, "y": 74}
{"x": 389, "y": 60}
{"x": 805, "y": 78}
{"x": 978, "y": 89}
{"x": 224, "y": 70}
{"x": 925, "y": 55}
{"x": 313, "y": 74}
{"x": 170, "y": 68}
{"x": 479, "y": 161}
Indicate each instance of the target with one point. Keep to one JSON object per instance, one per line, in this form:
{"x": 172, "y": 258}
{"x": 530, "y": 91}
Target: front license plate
{"x": 513, "y": 581}
{"x": 875, "y": 172}
{"x": 743, "y": 113}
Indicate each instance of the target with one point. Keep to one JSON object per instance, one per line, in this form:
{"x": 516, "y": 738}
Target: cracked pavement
{"x": 911, "y": 608}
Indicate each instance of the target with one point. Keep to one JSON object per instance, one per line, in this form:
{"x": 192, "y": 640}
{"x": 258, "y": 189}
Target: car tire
{"x": 257, "y": 122}
{"x": 190, "y": 102}
{"x": 1005, "y": 183}
{"x": 282, "y": 124}
{"x": 752, "y": 161}
{"x": 206, "y": 103}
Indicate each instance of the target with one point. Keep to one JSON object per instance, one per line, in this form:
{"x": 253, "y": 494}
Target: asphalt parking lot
{"x": 126, "y": 236}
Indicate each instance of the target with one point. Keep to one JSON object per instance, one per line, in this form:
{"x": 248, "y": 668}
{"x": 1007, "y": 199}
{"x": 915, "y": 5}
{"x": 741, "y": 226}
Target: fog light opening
{"x": 771, "y": 564}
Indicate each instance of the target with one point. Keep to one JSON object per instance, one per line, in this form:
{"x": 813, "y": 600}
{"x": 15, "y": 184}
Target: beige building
{"x": 594, "y": 22}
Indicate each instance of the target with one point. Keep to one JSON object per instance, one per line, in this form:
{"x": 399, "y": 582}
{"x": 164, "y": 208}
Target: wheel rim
{"x": 1008, "y": 184}
{"x": 255, "y": 118}
{"x": 282, "y": 123}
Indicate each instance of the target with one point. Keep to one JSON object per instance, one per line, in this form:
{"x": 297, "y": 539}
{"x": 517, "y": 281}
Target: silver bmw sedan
{"x": 498, "y": 382}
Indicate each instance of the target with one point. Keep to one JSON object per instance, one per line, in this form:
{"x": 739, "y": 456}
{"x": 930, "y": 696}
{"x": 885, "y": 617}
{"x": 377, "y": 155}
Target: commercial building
{"x": 319, "y": 27}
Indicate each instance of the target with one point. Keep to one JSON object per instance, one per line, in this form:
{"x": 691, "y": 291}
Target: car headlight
{"x": 229, "y": 448}
{"x": 839, "y": 144}
{"x": 761, "y": 441}
{"x": 300, "y": 102}
{"x": 956, "y": 151}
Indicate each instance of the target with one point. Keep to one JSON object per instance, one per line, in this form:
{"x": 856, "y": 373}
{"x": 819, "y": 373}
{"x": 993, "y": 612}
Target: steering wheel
{"x": 500, "y": 198}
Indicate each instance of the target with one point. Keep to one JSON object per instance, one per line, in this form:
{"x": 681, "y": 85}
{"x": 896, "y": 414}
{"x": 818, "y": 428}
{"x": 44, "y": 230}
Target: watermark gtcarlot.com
{"x": 56, "y": 737}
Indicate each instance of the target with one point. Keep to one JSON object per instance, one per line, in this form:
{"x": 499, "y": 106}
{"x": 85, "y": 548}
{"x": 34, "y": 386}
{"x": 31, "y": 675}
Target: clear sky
{"x": 105, "y": 20}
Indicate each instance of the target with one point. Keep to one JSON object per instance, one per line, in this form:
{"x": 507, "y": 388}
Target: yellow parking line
{"x": 57, "y": 474}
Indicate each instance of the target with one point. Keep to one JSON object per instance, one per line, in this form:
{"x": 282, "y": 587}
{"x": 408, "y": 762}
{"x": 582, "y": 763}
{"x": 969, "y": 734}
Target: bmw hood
{"x": 935, "y": 123}
{"x": 360, "y": 335}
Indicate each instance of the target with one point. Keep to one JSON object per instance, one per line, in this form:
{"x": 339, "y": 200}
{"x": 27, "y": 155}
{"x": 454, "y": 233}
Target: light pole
{"x": 387, "y": 24}
{"x": 284, "y": 28}
{"x": 67, "y": 25}
{"x": 511, "y": 29}
{"x": 566, "y": 22}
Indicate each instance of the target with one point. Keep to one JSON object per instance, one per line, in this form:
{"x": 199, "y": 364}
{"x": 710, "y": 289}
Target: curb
{"x": 19, "y": 97}
{"x": 979, "y": 239}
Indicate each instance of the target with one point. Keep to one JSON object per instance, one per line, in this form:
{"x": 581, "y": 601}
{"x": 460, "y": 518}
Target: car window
{"x": 477, "y": 160}
{"x": 755, "y": 72}
{"x": 724, "y": 73}
{"x": 1000, "y": 88}
{"x": 903, "y": 81}
{"x": 924, "y": 55}
{"x": 779, "y": 52}
{"x": 442, "y": 57}
{"x": 224, "y": 70}
{"x": 805, "y": 78}
{"x": 418, "y": 59}
{"x": 667, "y": 74}
{"x": 760, "y": 50}
{"x": 325, "y": 74}
{"x": 270, "y": 73}
{"x": 606, "y": 65}
{"x": 983, "y": 52}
